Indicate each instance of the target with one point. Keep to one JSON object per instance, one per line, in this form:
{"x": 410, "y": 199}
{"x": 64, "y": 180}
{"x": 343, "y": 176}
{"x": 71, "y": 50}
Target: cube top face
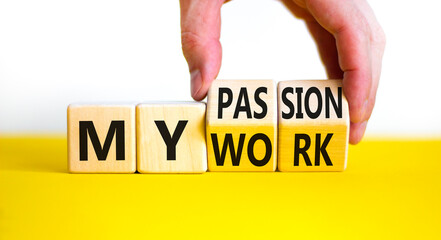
{"x": 241, "y": 125}
{"x": 102, "y": 104}
{"x": 101, "y": 138}
{"x": 313, "y": 125}
{"x": 172, "y": 103}
{"x": 171, "y": 137}
{"x": 234, "y": 102}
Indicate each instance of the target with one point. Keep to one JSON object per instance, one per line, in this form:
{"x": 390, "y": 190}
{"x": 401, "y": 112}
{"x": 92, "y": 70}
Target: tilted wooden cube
{"x": 171, "y": 137}
{"x": 101, "y": 138}
{"x": 241, "y": 125}
{"x": 313, "y": 125}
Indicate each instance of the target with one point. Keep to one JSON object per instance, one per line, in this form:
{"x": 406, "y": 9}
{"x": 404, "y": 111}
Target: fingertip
{"x": 204, "y": 62}
{"x": 200, "y": 84}
{"x": 356, "y": 86}
{"x": 358, "y": 111}
{"x": 357, "y": 132}
{"x": 198, "y": 97}
{"x": 195, "y": 82}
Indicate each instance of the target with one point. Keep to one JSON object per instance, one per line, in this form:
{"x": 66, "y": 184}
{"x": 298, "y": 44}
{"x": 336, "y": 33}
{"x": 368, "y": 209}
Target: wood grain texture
{"x": 190, "y": 155}
{"x": 296, "y": 120}
{"x": 102, "y": 115}
{"x": 255, "y": 121}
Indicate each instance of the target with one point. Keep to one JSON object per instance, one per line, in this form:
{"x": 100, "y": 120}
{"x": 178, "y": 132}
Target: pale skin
{"x": 349, "y": 39}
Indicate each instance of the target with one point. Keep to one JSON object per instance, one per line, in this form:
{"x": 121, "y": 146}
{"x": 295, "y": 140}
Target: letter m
{"x": 116, "y": 128}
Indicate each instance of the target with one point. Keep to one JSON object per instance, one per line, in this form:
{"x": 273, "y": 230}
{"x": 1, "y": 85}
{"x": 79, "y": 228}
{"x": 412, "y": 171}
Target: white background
{"x": 53, "y": 53}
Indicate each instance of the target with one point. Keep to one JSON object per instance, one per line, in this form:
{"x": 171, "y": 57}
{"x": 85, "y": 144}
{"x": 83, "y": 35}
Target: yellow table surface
{"x": 391, "y": 189}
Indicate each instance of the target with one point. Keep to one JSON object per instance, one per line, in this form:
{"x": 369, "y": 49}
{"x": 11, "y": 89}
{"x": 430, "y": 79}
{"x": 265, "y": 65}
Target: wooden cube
{"x": 101, "y": 138}
{"x": 241, "y": 125}
{"x": 171, "y": 137}
{"x": 313, "y": 126}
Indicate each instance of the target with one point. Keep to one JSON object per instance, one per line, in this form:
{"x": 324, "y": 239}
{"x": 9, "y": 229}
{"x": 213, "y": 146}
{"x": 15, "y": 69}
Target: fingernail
{"x": 362, "y": 129}
{"x": 196, "y": 82}
{"x": 363, "y": 126}
{"x": 357, "y": 132}
{"x": 365, "y": 109}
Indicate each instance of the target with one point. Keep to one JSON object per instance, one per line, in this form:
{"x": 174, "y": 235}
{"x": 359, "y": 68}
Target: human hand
{"x": 348, "y": 37}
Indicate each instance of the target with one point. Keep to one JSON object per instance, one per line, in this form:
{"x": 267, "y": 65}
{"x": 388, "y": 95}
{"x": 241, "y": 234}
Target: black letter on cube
{"x": 169, "y": 140}
{"x": 116, "y": 128}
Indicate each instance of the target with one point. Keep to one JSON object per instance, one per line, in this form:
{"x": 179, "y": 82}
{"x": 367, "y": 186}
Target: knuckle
{"x": 190, "y": 40}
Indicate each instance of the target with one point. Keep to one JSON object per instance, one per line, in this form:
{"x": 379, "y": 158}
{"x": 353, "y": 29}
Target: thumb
{"x": 200, "y": 33}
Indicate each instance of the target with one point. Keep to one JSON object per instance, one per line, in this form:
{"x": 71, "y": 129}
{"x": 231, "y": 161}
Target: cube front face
{"x": 313, "y": 126}
{"x": 238, "y": 131}
{"x": 101, "y": 138}
{"x": 241, "y": 126}
{"x": 171, "y": 138}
